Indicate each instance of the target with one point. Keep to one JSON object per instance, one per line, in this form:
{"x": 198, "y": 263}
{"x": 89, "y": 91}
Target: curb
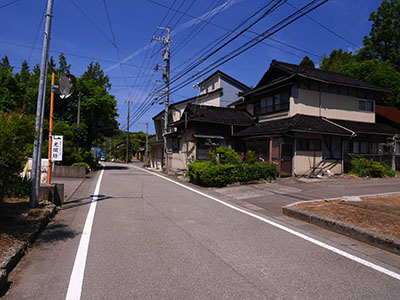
{"x": 363, "y": 235}
{"x": 19, "y": 251}
{"x": 73, "y": 192}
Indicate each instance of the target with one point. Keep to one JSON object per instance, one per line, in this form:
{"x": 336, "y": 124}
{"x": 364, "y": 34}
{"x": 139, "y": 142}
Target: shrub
{"x": 82, "y": 164}
{"x": 228, "y": 156}
{"x": 250, "y": 157}
{"x": 19, "y": 187}
{"x": 368, "y": 168}
{"x": 16, "y": 133}
{"x": 209, "y": 174}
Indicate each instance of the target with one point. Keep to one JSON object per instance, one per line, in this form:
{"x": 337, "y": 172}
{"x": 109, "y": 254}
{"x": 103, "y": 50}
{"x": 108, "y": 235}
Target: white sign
{"x": 56, "y": 148}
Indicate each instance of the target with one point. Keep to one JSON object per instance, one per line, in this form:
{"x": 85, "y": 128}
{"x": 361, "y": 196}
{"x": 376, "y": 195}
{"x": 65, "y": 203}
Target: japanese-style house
{"x": 310, "y": 120}
{"x": 217, "y": 90}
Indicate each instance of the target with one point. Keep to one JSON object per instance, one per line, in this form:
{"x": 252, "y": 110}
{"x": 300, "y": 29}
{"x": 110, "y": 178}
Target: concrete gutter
{"x": 18, "y": 252}
{"x": 376, "y": 239}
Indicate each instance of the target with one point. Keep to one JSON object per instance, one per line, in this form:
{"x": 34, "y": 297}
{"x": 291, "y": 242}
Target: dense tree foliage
{"x": 16, "y": 134}
{"x": 383, "y": 42}
{"x": 307, "y": 62}
{"x": 18, "y": 93}
{"x": 378, "y": 62}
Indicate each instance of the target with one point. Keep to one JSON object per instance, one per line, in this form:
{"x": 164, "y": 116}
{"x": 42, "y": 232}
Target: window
{"x": 364, "y": 147}
{"x": 356, "y": 147}
{"x": 175, "y": 144}
{"x": 346, "y": 146}
{"x": 373, "y": 148}
{"x": 398, "y": 148}
{"x": 366, "y": 105}
{"x": 213, "y": 86}
{"x": 309, "y": 144}
{"x": 273, "y": 103}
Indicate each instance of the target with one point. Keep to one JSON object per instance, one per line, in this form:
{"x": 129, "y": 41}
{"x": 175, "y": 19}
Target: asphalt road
{"x": 153, "y": 239}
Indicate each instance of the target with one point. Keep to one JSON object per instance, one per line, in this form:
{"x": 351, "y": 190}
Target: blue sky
{"x": 81, "y": 30}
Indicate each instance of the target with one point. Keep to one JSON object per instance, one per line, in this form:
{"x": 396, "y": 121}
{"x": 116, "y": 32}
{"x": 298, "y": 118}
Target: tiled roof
{"x": 390, "y": 113}
{"x": 315, "y": 124}
{"x": 368, "y": 128}
{"x": 221, "y": 115}
{"x": 319, "y": 75}
{"x": 189, "y": 100}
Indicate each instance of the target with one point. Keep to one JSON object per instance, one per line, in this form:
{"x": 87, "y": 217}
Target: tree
{"x": 337, "y": 61}
{"x": 5, "y": 64}
{"x": 96, "y": 74}
{"x": 378, "y": 73}
{"x": 16, "y": 134}
{"x": 383, "y": 42}
{"x": 63, "y": 66}
{"x": 51, "y": 67}
{"x": 307, "y": 62}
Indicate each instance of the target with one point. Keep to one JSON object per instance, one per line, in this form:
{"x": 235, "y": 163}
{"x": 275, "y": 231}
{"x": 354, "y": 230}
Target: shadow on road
{"x": 83, "y": 201}
{"x": 115, "y": 167}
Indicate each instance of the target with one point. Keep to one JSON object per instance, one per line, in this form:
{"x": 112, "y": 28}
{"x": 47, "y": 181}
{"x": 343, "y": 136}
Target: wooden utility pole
{"x": 127, "y": 132}
{"x": 147, "y": 142}
{"x": 166, "y": 77}
{"x": 78, "y": 117}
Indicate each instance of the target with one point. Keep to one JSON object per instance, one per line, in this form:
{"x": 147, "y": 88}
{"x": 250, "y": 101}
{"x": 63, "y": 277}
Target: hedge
{"x": 368, "y": 168}
{"x": 208, "y": 174}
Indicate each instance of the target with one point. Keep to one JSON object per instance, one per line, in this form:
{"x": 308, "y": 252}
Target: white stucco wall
{"x": 229, "y": 93}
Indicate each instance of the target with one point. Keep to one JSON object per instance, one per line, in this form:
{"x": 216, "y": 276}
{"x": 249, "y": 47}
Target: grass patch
{"x": 376, "y": 214}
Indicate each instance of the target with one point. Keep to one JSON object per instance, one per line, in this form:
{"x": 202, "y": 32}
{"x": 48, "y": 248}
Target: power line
{"x": 37, "y": 33}
{"x": 326, "y": 28}
{"x": 9, "y": 3}
{"x": 250, "y": 31}
{"x": 146, "y": 105}
{"x": 272, "y": 30}
{"x": 115, "y": 45}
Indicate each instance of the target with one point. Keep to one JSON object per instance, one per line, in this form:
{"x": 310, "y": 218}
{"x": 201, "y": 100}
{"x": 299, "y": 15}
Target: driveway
{"x": 270, "y": 197}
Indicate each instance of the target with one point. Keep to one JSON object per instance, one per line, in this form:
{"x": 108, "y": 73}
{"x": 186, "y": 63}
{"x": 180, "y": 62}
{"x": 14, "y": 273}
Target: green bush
{"x": 368, "y": 168}
{"x": 82, "y": 164}
{"x": 19, "y": 187}
{"x": 250, "y": 157}
{"x": 206, "y": 173}
{"x": 16, "y": 134}
{"x": 226, "y": 156}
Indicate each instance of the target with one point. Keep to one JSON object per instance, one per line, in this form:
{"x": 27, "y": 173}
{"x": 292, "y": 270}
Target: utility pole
{"x": 78, "y": 118}
{"x": 37, "y": 146}
{"x": 127, "y": 133}
{"x": 166, "y": 77}
{"x": 147, "y": 141}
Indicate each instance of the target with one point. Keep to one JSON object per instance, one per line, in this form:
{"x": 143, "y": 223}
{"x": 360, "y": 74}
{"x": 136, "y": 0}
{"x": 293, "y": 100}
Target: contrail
{"x": 190, "y": 23}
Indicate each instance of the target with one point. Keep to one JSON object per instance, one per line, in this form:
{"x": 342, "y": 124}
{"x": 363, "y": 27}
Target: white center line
{"x": 289, "y": 230}
{"x": 78, "y": 271}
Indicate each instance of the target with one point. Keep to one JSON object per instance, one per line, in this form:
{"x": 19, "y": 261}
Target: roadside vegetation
{"x": 224, "y": 166}
{"x": 18, "y": 99}
{"x": 367, "y": 168}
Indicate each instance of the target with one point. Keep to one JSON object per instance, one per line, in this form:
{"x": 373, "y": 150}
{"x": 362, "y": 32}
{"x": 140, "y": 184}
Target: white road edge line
{"x": 78, "y": 271}
{"x": 291, "y": 231}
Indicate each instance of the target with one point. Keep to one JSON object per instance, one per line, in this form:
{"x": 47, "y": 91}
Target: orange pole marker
{"x": 51, "y": 127}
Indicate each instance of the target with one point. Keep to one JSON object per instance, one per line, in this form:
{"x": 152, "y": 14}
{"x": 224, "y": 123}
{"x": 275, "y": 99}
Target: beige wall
{"x": 156, "y": 157}
{"x": 206, "y": 87}
{"x": 303, "y": 161}
{"x": 333, "y": 106}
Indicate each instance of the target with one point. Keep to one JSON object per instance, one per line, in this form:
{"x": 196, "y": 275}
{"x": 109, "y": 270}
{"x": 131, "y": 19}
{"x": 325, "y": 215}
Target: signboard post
{"x": 56, "y": 148}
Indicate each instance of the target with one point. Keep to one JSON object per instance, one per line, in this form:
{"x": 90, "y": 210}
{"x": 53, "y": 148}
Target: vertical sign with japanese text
{"x": 56, "y": 148}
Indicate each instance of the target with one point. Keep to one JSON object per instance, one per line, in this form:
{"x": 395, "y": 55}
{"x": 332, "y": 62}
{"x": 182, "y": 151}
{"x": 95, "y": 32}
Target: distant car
{"x": 113, "y": 159}
{"x": 102, "y": 159}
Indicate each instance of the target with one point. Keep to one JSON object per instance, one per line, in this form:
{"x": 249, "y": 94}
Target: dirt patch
{"x": 17, "y": 224}
{"x": 376, "y": 214}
